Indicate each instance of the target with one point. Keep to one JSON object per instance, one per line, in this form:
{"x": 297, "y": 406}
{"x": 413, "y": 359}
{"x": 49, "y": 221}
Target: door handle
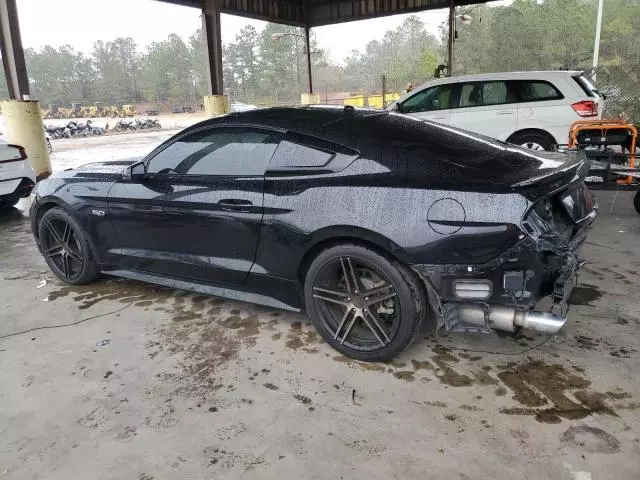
{"x": 505, "y": 112}
{"x": 235, "y": 204}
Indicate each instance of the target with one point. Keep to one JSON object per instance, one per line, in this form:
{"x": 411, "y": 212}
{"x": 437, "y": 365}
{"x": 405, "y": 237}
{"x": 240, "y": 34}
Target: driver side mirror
{"x": 136, "y": 172}
{"x": 397, "y": 107}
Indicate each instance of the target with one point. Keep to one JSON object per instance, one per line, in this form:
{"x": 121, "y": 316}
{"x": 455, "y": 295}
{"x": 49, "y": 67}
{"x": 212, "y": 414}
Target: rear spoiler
{"x": 576, "y": 161}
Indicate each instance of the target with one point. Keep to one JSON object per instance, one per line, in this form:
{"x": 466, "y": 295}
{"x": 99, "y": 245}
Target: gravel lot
{"x": 152, "y": 383}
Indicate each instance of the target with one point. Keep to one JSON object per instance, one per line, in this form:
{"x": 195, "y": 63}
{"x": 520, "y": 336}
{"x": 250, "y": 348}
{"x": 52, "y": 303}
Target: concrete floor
{"x": 150, "y": 383}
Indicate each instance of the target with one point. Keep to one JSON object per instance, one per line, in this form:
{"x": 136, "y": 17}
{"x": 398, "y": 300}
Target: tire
{"x": 533, "y": 141}
{"x": 66, "y": 248}
{"x": 636, "y": 201}
{"x": 373, "y": 323}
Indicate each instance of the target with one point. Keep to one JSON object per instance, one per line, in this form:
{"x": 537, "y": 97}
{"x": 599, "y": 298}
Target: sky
{"x": 80, "y": 23}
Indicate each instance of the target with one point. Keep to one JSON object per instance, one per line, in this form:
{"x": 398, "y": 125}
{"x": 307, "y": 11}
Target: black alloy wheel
{"x": 65, "y": 248}
{"x": 363, "y": 304}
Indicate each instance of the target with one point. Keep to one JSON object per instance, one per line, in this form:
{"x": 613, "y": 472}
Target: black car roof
{"x": 307, "y": 118}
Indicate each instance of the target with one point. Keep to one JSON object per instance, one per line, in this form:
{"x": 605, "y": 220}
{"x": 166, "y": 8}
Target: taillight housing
{"x": 21, "y": 150}
{"x": 586, "y": 108}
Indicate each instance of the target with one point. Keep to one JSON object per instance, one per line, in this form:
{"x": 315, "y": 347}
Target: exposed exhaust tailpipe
{"x": 507, "y": 319}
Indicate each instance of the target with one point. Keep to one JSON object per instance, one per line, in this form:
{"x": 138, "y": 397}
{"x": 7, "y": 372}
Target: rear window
{"x": 537, "y": 91}
{"x": 587, "y": 87}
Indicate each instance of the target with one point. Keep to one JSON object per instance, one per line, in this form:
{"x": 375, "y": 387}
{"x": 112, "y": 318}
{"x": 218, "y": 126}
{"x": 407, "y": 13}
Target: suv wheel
{"x": 65, "y": 248}
{"x": 533, "y": 141}
{"x": 364, "y": 305}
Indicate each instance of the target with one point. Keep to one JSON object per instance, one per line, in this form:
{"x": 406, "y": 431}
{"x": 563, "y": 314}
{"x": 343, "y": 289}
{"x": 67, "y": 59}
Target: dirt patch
{"x": 447, "y": 374}
{"x": 271, "y": 386}
{"x": 123, "y": 291}
{"x": 406, "y": 375}
{"x": 536, "y": 384}
{"x": 586, "y": 343}
{"x": 302, "y": 399}
{"x": 418, "y": 365}
{"x": 590, "y": 439}
{"x": 372, "y": 367}
{"x": 584, "y": 294}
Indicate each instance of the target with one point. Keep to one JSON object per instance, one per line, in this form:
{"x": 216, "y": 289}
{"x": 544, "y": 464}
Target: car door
{"x": 486, "y": 107}
{"x": 198, "y": 212}
{"x": 543, "y": 107}
{"x": 432, "y": 103}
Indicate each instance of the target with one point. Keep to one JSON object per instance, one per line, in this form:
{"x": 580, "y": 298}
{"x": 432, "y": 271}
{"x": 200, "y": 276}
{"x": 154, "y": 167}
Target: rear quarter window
{"x": 586, "y": 86}
{"x": 538, "y": 91}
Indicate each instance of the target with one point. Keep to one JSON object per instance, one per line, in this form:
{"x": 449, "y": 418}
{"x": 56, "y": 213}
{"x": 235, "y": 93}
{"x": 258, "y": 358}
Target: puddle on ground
{"x": 545, "y": 391}
{"x": 208, "y": 332}
{"x": 590, "y": 439}
{"x": 584, "y": 294}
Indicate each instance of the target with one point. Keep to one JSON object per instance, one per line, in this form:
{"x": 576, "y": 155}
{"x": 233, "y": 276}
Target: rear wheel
{"x": 533, "y": 141}
{"x": 66, "y": 248}
{"x": 364, "y": 305}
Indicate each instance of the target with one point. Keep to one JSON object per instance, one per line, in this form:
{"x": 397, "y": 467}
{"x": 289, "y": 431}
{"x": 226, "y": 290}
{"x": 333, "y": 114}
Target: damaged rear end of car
{"x": 528, "y": 284}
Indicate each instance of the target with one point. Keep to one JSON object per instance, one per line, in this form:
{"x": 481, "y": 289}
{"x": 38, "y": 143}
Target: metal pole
{"x": 596, "y": 47}
{"x": 308, "y": 46}
{"x": 295, "y": 39}
{"x": 384, "y": 89}
{"x": 15, "y": 69}
{"x": 213, "y": 44}
{"x": 452, "y": 34}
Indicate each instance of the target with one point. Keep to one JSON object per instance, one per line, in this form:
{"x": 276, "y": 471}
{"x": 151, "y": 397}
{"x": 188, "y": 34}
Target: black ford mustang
{"x": 371, "y": 222}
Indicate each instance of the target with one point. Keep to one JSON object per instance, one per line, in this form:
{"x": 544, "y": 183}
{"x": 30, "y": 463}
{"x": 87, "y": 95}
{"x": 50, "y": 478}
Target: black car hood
{"x": 98, "y": 169}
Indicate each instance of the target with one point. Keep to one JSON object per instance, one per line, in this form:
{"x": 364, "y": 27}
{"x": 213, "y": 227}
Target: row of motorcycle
{"x": 80, "y": 129}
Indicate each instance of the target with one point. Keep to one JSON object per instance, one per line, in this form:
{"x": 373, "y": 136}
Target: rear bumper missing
{"x": 508, "y": 293}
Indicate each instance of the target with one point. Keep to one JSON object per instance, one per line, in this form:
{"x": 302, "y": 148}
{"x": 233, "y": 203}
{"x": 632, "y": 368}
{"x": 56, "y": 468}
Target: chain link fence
{"x": 620, "y": 84}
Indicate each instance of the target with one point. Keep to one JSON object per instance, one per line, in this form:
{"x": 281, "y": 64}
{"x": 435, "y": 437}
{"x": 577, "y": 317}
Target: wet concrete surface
{"x": 147, "y": 382}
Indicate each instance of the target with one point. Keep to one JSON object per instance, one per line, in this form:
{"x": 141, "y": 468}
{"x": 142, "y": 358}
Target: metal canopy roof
{"x": 322, "y": 12}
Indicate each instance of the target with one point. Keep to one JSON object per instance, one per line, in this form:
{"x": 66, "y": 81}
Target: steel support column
{"x": 12, "y": 53}
{"x": 307, "y": 44}
{"x": 452, "y": 35}
{"x": 213, "y": 43}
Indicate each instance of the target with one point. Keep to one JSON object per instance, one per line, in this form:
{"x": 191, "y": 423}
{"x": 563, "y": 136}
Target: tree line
{"x": 528, "y": 34}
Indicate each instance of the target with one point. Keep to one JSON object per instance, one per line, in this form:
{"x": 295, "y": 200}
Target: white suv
{"x": 17, "y": 178}
{"x": 532, "y": 109}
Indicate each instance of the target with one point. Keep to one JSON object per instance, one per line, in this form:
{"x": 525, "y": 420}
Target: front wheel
{"x": 364, "y": 305}
{"x": 66, "y": 248}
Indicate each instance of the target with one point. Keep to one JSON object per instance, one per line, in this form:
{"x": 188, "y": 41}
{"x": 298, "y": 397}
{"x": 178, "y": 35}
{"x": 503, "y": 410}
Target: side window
{"x": 434, "y": 98}
{"x": 294, "y": 155}
{"x": 537, "y": 91}
{"x": 479, "y": 94}
{"x": 219, "y": 151}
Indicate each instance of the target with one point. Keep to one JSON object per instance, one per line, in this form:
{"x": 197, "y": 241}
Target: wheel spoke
{"x": 329, "y": 299}
{"x": 66, "y": 234}
{"x": 342, "y": 322}
{"x": 349, "y": 327}
{"x": 66, "y": 270}
{"x": 379, "y": 294}
{"x": 53, "y": 251}
{"x": 364, "y": 319}
{"x": 350, "y": 275}
{"x": 54, "y": 233}
{"x": 331, "y": 292}
{"x": 378, "y": 323}
{"x": 346, "y": 276}
{"x": 75, "y": 256}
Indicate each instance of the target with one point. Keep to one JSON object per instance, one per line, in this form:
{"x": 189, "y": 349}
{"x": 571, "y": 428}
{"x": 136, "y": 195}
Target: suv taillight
{"x": 587, "y": 108}
{"x": 21, "y": 150}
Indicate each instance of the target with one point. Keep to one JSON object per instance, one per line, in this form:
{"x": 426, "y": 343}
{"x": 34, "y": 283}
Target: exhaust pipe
{"x": 507, "y": 319}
